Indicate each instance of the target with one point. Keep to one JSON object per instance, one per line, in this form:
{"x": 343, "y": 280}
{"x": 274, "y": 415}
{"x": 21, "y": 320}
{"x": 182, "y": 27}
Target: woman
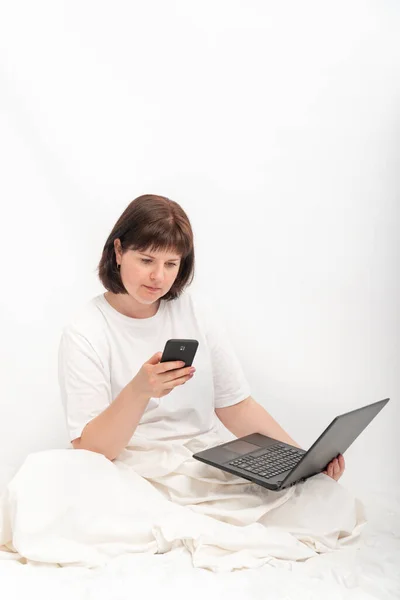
{"x": 130, "y": 483}
{"x": 109, "y": 389}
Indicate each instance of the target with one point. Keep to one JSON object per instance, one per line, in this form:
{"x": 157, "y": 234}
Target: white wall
{"x": 275, "y": 125}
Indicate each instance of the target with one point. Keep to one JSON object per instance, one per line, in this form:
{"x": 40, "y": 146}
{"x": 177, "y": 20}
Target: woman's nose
{"x": 158, "y": 273}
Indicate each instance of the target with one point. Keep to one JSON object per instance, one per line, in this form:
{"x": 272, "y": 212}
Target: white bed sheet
{"x": 372, "y": 571}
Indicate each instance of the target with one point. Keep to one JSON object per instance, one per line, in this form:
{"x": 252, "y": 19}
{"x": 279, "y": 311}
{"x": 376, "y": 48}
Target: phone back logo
{"x": 182, "y": 347}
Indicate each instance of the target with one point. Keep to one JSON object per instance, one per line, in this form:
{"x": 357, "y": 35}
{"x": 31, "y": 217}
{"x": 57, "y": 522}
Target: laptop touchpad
{"x": 241, "y": 447}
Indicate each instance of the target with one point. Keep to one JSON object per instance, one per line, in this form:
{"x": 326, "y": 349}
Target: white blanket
{"x": 74, "y": 507}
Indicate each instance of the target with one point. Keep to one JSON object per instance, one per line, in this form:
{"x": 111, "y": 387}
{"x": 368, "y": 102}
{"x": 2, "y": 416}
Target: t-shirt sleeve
{"x": 84, "y": 383}
{"x": 230, "y": 383}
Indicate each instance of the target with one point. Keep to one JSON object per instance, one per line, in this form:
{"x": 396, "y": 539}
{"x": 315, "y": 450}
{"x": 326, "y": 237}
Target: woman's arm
{"x": 109, "y": 432}
{"x": 248, "y": 417}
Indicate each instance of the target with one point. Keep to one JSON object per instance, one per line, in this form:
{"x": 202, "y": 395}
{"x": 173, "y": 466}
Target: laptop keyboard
{"x": 271, "y": 461}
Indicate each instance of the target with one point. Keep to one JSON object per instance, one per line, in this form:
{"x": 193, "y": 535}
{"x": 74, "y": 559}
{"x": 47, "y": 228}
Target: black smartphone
{"x": 184, "y": 350}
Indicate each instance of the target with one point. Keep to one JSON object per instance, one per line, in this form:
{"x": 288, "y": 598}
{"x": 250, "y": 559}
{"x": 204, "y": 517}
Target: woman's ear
{"x": 117, "y": 248}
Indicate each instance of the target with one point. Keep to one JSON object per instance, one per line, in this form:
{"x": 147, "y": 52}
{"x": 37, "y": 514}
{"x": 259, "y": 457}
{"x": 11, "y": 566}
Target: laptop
{"x": 277, "y": 465}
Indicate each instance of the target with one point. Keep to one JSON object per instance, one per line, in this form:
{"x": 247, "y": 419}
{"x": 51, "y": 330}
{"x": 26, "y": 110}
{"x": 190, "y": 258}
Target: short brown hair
{"x": 150, "y": 222}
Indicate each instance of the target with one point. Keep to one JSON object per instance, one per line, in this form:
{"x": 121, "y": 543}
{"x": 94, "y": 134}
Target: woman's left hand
{"x": 335, "y": 468}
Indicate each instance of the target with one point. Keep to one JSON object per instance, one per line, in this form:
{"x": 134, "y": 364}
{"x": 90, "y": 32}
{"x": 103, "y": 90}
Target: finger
{"x": 336, "y": 467}
{"x": 169, "y": 366}
{"x": 178, "y": 373}
{"x": 179, "y": 381}
{"x": 330, "y": 470}
{"x": 341, "y": 462}
{"x": 155, "y": 359}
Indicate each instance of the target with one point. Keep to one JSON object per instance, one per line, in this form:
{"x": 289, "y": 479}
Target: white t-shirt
{"x": 101, "y": 350}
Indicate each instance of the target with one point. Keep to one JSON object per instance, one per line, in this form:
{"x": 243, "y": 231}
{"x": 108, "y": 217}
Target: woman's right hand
{"x": 155, "y": 379}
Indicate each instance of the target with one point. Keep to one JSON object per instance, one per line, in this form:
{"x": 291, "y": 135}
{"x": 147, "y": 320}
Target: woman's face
{"x": 147, "y": 275}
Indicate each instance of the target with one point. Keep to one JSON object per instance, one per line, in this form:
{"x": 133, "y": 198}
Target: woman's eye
{"x": 146, "y": 261}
